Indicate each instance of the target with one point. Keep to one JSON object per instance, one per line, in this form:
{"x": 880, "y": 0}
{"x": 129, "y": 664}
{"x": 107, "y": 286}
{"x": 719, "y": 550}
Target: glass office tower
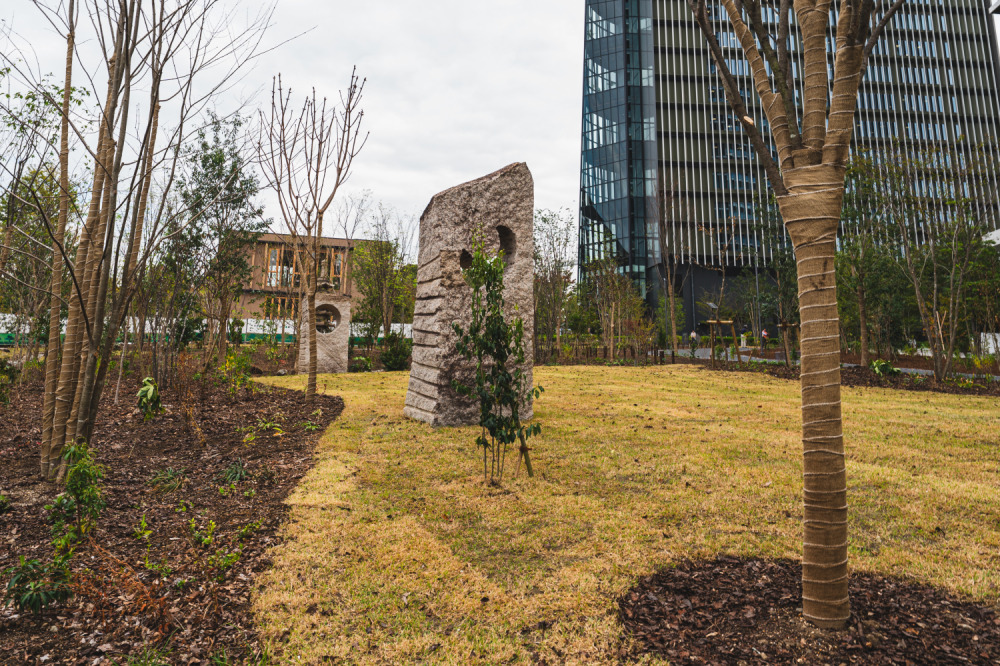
{"x": 618, "y": 164}
{"x": 655, "y": 119}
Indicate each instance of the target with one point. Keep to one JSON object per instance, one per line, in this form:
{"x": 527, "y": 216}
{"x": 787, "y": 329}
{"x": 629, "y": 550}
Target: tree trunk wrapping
{"x": 52, "y": 358}
{"x": 313, "y": 346}
{"x": 811, "y": 211}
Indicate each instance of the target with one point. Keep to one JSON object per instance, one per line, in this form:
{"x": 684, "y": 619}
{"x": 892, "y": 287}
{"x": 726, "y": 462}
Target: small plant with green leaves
{"x": 396, "y": 352}
{"x": 247, "y": 530}
{"x": 202, "y": 538}
{"x": 309, "y": 426}
{"x": 263, "y": 425}
{"x": 5, "y": 504}
{"x": 249, "y": 434}
{"x": 234, "y": 374}
{"x": 142, "y": 531}
{"x": 226, "y": 491}
{"x": 34, "y": 585}
{"x": 167, "y": 480}
{"x": 222, "y": 561}
{"x": 61, "y": 514}
{"x": 496, "y": 347}
{"x": 74, "y": 513}
{"x": 156, "y": 567}
{"x": 235, "y": 473}
{"x": 884, "y": 369}
{"x": 8, "y": 375}
{"x": 249, "y": 493}
{"x": 149, "y": 399}
{"x": 184, "y": 507}
{"x": 963, "y": 382}
{"x": 360, "y": 364}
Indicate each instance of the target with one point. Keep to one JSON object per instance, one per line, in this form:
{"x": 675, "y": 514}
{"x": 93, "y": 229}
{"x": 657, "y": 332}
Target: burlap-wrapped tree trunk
{"x": 811, "y": 211}
{"x": 812, "y": 141}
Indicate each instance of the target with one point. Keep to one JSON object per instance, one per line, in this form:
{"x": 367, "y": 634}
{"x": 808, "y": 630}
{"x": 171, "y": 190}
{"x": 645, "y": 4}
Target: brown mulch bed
{"x": 739, "y": 611}
{"x": 161, "y": 590}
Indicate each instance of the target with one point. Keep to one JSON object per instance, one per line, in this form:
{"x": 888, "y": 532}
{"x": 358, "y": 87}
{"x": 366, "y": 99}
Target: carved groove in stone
{"x": 500, "y": 207}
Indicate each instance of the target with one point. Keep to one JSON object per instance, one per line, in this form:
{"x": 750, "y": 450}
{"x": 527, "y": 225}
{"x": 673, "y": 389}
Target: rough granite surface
{"x": 500, "y": 209}
{"x": 333, "y": 347}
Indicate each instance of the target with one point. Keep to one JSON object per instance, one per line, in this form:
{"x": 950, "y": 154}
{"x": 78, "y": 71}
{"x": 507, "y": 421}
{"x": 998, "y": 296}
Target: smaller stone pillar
{"x": 333, "y": 331}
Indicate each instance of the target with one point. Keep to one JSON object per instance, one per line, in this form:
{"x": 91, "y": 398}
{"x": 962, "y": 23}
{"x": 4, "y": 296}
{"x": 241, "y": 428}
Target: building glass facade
{"x": 618, "y": 164}
{"x": 932, "y": 81}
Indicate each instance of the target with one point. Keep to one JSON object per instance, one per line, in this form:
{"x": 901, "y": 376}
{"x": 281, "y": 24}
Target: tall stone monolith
{"x": 499, "y": 209}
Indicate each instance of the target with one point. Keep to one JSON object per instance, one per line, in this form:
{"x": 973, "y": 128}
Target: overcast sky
{"x": 455, "y": 89}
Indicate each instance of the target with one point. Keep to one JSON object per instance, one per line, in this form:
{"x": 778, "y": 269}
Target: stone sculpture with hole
{"x": 333, "y": 331}
{"x": 498, "y": 209}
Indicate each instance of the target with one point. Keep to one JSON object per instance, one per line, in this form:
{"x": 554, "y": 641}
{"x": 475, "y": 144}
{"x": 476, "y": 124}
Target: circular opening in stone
{"x": 465, "y": 260}
{"x": 327, "y": 319}
{"x": 508, "y": 242}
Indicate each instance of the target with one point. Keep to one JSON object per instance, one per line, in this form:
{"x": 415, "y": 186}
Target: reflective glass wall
{"x": 931, "y": 82}
{"x": 618, "y": 157}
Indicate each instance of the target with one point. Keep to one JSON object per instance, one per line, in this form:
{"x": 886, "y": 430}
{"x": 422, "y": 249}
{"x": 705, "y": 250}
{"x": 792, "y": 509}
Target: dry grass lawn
{"x": 397, "y": 553}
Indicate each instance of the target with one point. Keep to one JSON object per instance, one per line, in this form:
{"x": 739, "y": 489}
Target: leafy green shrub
{"x": 361, "y": 364}
{"x": 247, "y": 530}
{"x": 963, "y": 382}
{"x": 235, "y": 372}
{"x": 149, "y": 399}
{"x": 35, "y": 586}
{"x": 142, "y": 531}
{"x": 884, "y": 369}
{"x": 493, "y": 344}
{"x": 62, "y": 512}
{"x": 200, "y": 538}
{"x": 8, "y": 375}
{"x": 236, "y": 331}
{"x": 83, "y": 484}
{"x": 396, "y": 353}
{"x": 222, "y": 561}
{"x": 74, "y": 513}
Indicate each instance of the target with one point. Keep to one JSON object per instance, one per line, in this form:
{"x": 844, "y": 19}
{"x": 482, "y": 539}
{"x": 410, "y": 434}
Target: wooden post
{"x": 739, "y": 357}
{"x": 711, "y": 340}
{"x": 523, "y": 453}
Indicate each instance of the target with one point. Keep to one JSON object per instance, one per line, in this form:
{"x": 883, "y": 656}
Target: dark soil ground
{"x": 159, "y": 590}
{"x": 737, "y": 611}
